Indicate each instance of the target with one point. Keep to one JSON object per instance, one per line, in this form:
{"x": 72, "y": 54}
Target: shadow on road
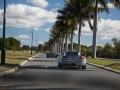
{"x": 36, "y": 87}
{"x": 73, "y": 68}
{"x": 43, "y": 57}
{"x": 44, "y": 61}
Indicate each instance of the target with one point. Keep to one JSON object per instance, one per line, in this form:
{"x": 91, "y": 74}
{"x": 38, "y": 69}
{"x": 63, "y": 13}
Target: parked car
{"x": 51, "y": 55}
{"x": 71, "y": 59}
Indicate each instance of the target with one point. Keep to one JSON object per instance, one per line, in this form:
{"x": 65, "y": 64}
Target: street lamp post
{"x": 36, "y": 46}
{"x": 32, "y": 40}
{"x": 3, "y": 42}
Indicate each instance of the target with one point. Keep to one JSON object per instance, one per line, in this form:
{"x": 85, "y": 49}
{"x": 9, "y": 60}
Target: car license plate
{"x": 72, "y": 59}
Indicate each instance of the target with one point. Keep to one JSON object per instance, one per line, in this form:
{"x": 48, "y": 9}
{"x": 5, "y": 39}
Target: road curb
{"x": 17, "y": 67}
{"x": 103, "y": 67}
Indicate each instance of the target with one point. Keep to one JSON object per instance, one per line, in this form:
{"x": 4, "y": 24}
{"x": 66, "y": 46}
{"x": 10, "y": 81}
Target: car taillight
{"x": 64, "y": 57}
{"x": 82, "y": 57}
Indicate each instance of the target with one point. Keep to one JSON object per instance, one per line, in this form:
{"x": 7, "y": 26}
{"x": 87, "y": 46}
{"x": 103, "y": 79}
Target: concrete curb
{"x": 103, "y": 67}
{"x": 17, "y": 67}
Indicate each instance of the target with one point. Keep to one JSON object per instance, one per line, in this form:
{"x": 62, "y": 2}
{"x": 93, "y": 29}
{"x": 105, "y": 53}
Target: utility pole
{"x": 36, "y": 46}
{"x": 32, "y": 40}
{"x": 3, "y": 53}
{"x": 36, "y": 42}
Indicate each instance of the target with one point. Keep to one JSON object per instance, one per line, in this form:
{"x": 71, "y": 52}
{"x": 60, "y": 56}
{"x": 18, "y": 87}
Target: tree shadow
{"x": 71, "y": 68}
{"x": 19, "y": 58}
{"x": 37, "y": 87}
{"x": 10, "y": 65}
{"x": 44, "y": 56}
{"x": 44, "y": 60}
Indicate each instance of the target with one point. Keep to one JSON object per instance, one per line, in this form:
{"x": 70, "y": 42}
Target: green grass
{"x": 106, "y": 63}
{"x": 100, "y": 62}
{"x": 14, "y": 59}
{"x": 115, "y": 67}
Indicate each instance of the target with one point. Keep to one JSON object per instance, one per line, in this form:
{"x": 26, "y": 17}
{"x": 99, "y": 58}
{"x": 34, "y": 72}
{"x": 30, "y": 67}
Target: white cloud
{"x": 58, "y": 4}
{"x": 110, "y": 5}
{"x": 1, "y": 18}
{"x": 85, "y": 30}
{"x": 23, "y": 16}
{"x": 107, "y": 29}
{"x": 40, "y": 3}
{"x": 40, "y": 42}
{"x": 47, "y": 29}
{"x": 35, "y": 28}
{"x": 25, "y": 42}
{"x": 23, "y": 37}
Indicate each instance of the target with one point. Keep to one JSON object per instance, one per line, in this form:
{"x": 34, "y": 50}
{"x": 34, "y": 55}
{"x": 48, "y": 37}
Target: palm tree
{"x": 58, "y": 32}
{"x": 70, "y": 20}
{"x": 103, "y": 3}
{"x": 66, "y": 24}
{"x": 78, "y": 10}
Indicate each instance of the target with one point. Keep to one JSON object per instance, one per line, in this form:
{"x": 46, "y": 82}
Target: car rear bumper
{"x": 72, "y": 63}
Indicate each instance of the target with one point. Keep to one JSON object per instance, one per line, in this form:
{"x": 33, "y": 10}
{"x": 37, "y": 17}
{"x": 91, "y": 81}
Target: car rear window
{"x": 72, "y": 53}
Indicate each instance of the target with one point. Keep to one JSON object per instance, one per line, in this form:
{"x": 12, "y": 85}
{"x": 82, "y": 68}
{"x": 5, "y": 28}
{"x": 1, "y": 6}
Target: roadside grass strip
{"x": 105, "y": 63}
{"x": 14, "y": 59}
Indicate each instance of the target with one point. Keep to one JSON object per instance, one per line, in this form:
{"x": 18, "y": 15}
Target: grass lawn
{"x": 13, "y": 59}
{"x": 106, "y": 63}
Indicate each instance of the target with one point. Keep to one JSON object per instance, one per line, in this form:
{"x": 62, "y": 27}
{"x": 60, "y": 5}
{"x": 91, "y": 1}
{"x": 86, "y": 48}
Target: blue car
{"x": 53, "y": 55}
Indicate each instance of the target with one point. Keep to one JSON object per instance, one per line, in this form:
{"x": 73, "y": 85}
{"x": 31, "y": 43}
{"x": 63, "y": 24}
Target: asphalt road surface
{"x": 43, "y": 74}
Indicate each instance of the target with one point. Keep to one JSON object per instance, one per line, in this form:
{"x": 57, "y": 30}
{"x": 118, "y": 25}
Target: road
{"x": 43, "y": 74}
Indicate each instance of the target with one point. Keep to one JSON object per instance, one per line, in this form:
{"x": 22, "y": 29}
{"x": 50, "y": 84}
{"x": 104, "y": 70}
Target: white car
{"x": 71, "y": 59}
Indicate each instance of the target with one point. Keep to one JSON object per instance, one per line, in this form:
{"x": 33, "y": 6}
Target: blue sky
{"x": 25, "y": 15}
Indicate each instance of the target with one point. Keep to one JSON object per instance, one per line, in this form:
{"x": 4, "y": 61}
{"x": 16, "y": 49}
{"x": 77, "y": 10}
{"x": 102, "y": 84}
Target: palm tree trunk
{"x": 89, "y": 22}
{"x": 72, "y": 32}
{"x": 66, "y": 42}
{"x": 53, "y": 48}
{"x": 94, "y": 47}
{"x": 56, "y": 49}
{"x": 62, "y": 46}
{"x": 79, "y": 38}
{"x": 60, "y": 50}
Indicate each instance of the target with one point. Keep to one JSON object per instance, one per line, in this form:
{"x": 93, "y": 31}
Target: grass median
{"x": 105, "y": 63}
{"x": 14, "y": 58}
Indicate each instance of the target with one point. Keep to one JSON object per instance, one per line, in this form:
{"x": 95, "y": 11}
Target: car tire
{"x": 84, "y": 67}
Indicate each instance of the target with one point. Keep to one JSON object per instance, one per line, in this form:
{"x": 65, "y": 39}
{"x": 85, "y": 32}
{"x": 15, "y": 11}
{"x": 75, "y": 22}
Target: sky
{"x": 22, "y": 16}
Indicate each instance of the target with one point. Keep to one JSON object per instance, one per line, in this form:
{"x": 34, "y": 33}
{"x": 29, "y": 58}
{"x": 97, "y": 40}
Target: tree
{"x": 116, "y": 43}
{"x": 61, "y": 30}
{"x": 40, "y": 47}
{"x": 73, "y": 21}
{"x": 11, "y": 43}
{"x": 104, "y": 5}
{"x": 81, "y": 10}
{"x": 100, "y": 51}
{"x": 0, "y": 43}
{"x": 46, "y": 46}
